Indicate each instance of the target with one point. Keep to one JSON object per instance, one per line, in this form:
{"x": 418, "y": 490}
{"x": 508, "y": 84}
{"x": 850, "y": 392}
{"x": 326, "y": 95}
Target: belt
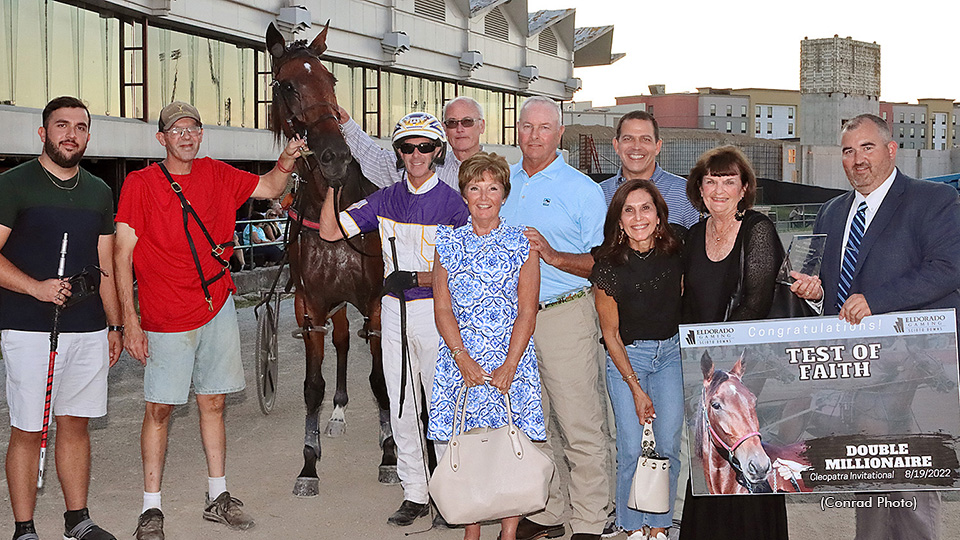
{"x": 564, "y": 298}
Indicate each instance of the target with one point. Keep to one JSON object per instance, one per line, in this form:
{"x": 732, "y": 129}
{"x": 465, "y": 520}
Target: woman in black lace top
{"x": 637, "y": 283}
{"x": 731, "y": 261}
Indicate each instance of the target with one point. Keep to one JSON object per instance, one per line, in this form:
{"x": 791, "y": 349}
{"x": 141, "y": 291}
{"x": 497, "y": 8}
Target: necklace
{"x": 645, "y": 256}
{"x": 56, "y": 181}
{"x": 719, "y": 235}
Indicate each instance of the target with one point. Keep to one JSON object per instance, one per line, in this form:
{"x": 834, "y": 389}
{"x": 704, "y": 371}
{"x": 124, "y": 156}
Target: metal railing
{"x": 793, "y": 217}
{"x": 247, "y": 248}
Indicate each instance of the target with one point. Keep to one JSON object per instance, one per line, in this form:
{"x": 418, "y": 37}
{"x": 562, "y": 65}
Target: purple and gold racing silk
{"x": 411, "y": 215}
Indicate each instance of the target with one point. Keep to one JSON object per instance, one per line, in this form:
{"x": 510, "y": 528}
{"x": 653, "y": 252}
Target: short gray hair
{"x": 858, "y": 122}
{"x": 542, "y": 100}
{"x": 464, "y": 99}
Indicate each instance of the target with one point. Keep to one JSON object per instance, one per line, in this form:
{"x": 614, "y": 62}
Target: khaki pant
{"x": 568, "y": 352}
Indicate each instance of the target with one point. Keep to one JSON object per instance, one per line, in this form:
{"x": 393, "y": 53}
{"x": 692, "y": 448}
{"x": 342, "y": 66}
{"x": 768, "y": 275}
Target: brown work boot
{"x": 150, "y": 525}
{"x": 227, "y": 510}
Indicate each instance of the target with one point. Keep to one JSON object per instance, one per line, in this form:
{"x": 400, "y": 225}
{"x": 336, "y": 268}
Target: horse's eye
{"x": 715, "y": 405}
{"x": 287, "y": 86}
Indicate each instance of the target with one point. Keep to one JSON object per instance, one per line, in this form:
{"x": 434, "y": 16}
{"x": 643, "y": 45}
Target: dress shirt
{"x": 672, "y": 187}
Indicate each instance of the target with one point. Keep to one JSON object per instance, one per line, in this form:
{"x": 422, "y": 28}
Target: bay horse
{"x": 326, "y": 274}
{"x": 728, "y": 438}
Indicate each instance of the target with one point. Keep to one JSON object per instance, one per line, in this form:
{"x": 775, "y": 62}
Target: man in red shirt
{"x": 187, "y": 329}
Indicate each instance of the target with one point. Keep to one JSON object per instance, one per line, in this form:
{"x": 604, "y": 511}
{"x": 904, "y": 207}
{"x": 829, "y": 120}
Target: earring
{"x": 739, "y": 215}
{"x": 621, "y": 236}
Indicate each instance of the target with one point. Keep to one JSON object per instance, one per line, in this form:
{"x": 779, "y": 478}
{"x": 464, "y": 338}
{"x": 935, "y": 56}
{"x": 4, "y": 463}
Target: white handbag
{"x": 650, "y": 490}
{"x": 487, "y": 474}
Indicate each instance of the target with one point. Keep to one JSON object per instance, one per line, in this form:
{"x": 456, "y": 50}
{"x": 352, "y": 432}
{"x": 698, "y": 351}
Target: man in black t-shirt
{"x": 41, "y": 200}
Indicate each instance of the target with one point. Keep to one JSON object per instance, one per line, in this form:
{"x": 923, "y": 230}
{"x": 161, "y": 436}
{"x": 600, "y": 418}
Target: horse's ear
{"x": 738, "y": 367}
{"x": 320, "y": 42}
{"x": 706, "y": 366}
{"x": 275, "y": 42}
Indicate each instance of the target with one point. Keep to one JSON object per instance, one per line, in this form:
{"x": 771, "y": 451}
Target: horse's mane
{"x": 719, "y": 377}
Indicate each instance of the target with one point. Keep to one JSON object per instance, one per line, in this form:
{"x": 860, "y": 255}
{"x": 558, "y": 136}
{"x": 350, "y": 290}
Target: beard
{"x": 61, "y": 159}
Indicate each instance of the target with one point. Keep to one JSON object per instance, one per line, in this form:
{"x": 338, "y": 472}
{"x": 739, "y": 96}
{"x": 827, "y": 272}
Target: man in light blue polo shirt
{"x": 564, "y": 212}
{"x": 638, "y": 144}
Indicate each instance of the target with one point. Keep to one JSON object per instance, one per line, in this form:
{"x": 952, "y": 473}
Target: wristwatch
{"x": 113, "y": 328}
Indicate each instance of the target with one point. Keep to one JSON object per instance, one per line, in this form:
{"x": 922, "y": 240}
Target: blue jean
{"x": 657, "y": 364}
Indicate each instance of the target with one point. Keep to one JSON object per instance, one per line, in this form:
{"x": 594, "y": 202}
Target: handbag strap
{"x": 460, "y": 411}
{"x": 648, "y": 443}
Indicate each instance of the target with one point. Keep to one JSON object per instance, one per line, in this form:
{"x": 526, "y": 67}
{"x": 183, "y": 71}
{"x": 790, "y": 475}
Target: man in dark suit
{"x": 893, "y": 244}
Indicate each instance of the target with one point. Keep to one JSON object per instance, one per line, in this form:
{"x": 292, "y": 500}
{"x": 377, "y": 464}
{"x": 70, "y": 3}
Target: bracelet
{"x": 456, "y": 351}
{"x": 630, "y": 377}
{"x": 112, "y": 328}
{"x": 284, "y": 171}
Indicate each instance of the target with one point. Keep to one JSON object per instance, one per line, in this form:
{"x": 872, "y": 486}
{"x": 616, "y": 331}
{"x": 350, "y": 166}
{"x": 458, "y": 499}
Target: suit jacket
{"x": 910, "y": 255}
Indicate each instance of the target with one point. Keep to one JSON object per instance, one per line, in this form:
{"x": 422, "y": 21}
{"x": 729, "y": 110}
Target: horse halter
{"x": 730, "y": 449}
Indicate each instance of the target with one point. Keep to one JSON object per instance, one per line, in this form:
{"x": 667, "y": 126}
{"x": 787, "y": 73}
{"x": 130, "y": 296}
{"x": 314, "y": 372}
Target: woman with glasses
{"x": 406, "y": 215}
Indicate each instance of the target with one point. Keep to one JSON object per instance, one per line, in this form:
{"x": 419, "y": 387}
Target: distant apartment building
{"x": 761, "y": 113}
{"x": 931, "y": 124}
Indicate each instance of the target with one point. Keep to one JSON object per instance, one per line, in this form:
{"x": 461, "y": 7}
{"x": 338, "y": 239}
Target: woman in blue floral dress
{"x": 486, "y": 284}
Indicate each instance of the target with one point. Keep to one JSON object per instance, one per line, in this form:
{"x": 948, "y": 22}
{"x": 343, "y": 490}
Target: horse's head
{"x": 729, "y": 414}
{"x": 304, "y": 102}
{"x": 927, "y": 369}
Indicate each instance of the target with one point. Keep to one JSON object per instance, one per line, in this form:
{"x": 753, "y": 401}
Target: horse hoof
{"x": 335, "y": 428}
{"x": 306, "y": 487}
{"x": 388, "y": 475}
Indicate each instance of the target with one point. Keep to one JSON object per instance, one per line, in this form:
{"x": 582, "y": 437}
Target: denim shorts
{"x": 209, "y": 356}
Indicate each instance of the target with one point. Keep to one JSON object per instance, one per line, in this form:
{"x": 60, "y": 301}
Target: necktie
{"x": 857, "y": 227}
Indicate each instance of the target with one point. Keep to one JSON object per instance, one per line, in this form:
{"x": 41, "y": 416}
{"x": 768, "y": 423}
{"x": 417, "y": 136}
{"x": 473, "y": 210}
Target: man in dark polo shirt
{"x": 41, "y": 200}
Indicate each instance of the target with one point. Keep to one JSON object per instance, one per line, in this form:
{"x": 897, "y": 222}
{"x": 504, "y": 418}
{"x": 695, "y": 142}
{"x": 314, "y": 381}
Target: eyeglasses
{"x": 181, "y": 131}
{"x": 424, "y": 147}
{"x": 451, "y": 123}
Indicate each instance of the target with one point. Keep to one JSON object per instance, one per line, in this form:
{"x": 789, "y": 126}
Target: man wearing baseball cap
{"x": 175, "y": 225}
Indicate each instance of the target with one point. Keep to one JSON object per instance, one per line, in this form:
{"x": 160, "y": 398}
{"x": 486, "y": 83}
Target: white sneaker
{"x": 637, "y": 535}
{"x": 659, "y": 536}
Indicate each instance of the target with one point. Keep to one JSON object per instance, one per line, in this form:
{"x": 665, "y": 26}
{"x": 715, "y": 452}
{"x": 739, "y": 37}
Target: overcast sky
{"x": 756, "y": 43}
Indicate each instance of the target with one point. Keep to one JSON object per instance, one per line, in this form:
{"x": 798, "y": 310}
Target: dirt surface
{"x": 264, "y": 457}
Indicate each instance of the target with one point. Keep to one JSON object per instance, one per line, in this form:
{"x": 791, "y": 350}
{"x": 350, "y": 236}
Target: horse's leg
{"x": 388, "y": 462}
{"x": 341, "y": 341}
{"x": 308, "y": 484}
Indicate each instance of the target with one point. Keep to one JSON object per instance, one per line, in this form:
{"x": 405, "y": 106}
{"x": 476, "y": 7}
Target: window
{"x": 743, "y": 110}
{"x": 790, "y": 112}
{"x": 901, "y": 145}
{"x": 911, "y": 132}
{"x": 431, "y": 9}
{"x": 713, "y": 109}
{"x": 884, "y": 115}
{"x": 769, "y": 128}
{"x": 913, "y": 118}
{"x": 757, "y": 111}
{"x": 901, "y": 118}
{"x": 790, "y": 129}
{"x": 911, "y": 145}
{"x": 923, "y": 118}
{"x": 791, "y": 155}
{"x": 769, "y": 112}
{"x": 548, "y": 42}
{"x": 729, "y": 127}
{"x": 758, "y": 127}
{"x": 713, "y": 124}
{"x": 901, "y": 133}
{"x": 729, "y": 110}
{"x": 923, "y": 132}
{"x": 650, "y": 110}
{"x": 495, "y": 25}
{"x": 743, "y": 127}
